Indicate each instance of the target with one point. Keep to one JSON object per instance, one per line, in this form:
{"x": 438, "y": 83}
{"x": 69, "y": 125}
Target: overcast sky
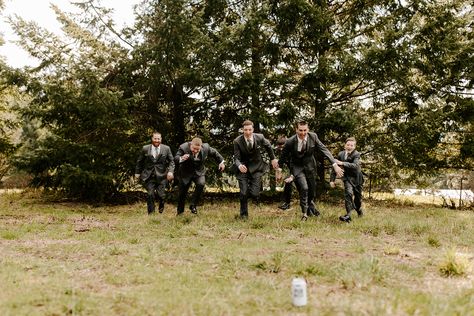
{"x": 40, "y": 11}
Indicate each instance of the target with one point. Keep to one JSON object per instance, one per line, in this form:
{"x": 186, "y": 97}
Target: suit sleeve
{"x": 140, "y": 161}
{"x": 355, "y": 165}
{"x": 332, "y": 176}
{"x": 268, "y": 148}
{"x": 285, "y": 154}
{"x": 322, "y": 148}
{"x": 214, "y": 153}
{"x": 171, "y": 161}
{"x": 237, "y": 155}
{"x": 178, "y": 155}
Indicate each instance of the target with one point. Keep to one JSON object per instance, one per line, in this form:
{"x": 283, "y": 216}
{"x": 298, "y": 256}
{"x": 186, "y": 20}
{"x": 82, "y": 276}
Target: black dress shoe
{"x": 304, "y": 218}
{"x": 313, "y": 212}
{"x": 242, "y": 217}
{"x": 161, "y": 207}
{"x": 345, "y": 218}
{"x": 360, "y": 212}
{"x": 193, "y": 209}
{"x": 284, "y": 206}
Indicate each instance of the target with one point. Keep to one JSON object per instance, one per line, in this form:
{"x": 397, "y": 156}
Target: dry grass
{"x": 67, "y": 258}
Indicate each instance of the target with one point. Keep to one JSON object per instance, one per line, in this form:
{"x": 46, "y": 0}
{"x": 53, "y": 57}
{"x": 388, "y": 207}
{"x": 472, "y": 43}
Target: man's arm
{"x": 285, "y": 155}
{"x": 322, "y": 148}
{"x": 271, "y": 153}
{"x": 237, "y": 154}
{"x": 218, "y": 157}
{"x": 139, "y": 164}
{"x": 268, "y": 148}
{"x": 169, "y": 157}
{"x": 355, "y": 165}
{"x": 214, "y": 153}
{"x": 180, "y": 155}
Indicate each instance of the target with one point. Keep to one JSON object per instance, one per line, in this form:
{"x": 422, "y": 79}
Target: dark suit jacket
{"x": 147, "y": 165}
{"x": 351, "y": 166}
{"x": 252, "y": 159}
{"x": 303, "y": 162}
{"x": 192, "y": 167}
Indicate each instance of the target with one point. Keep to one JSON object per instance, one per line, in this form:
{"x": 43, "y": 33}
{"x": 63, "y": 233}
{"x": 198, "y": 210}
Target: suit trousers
{"x": 352, "y": 195}
{"x": 306, "y": 185}
{"x": 287, "y": 189}
{"x": 155, "y": 187}
{"x": 249, "y": 185}
{"x": 183, "y": 186}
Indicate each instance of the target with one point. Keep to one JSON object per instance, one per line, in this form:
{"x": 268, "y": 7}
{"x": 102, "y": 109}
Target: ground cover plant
{"x": 68, "y": 258}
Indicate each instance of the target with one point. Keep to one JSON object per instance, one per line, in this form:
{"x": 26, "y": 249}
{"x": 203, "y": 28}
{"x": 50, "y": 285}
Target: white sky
{"x": 40, "y": 12}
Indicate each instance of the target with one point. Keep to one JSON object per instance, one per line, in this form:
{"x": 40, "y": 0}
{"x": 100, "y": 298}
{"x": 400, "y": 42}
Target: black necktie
{"x": 303, "y": 145}
{"x": 249, "y": 144}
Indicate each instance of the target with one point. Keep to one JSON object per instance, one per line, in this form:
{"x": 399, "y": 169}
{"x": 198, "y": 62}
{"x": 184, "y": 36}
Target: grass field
{"x": 66, "y": 258}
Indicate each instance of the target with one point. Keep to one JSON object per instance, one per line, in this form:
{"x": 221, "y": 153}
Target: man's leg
{"x": 348, "y": 196}
{"x": 243, "y": 195}
{"x": 160, "y": 193}
{"x": 302, "y": 187}
{"x": 183, "y": 191}
{"x": 199, "y": 183}
{"x": 348, "y": 201}
{"x": 287, "y": 192}
{"x": 311, "y": 180}
{"x": 358, "y": 199}
{"x": 255, "y": 186}
{"x": 150, "y": 185}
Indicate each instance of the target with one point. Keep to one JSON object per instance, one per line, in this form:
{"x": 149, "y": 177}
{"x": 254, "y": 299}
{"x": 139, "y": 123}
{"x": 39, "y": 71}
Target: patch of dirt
{"x": 86, "y": 223}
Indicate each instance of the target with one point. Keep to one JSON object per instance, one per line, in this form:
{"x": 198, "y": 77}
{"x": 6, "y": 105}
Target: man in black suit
{"x": 155, "y": 168}
{"x": 249, "y": 163}
{"x": 299, "y": 154}
{"x": 191, "y": 157}
{"x": 349, "y": 160}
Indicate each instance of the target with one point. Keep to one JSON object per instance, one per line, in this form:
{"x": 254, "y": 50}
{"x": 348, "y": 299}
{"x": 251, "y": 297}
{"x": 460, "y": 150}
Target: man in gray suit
{"x": 299, "y": 154}
{"x": 349, "y": 160}
{"x": 191, "y": 157}
{"x": 249, "y": 163}
{"x": 155, "y": 167}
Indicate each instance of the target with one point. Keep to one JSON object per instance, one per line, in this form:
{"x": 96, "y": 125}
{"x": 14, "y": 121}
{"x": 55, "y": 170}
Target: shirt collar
{"x": 304, "y": 139}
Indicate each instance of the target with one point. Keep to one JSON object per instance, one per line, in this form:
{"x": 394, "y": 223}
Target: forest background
{"x": 397, "y": 75}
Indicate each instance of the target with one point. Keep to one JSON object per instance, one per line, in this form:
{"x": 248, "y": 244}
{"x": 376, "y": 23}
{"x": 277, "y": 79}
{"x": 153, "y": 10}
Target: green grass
{"x": 66, "y": 258}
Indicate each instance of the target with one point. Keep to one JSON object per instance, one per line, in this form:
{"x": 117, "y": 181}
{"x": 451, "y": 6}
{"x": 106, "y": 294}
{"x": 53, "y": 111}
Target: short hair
{"x": 351, "y": 139}
{"x": 247, "y": 122}
{"x": 281, "y": 140}
{"x": 301, "y": 123}
{"x": 155, "y": 133}
{"x": 196, "y": 141}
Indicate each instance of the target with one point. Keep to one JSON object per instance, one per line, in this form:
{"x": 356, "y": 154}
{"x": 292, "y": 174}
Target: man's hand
{"x": 275, "y": 164}
{"x": 289, "y": 179}
{"x": 221, "y": 166}
{"x": 170, "y": 176}
{"x": 332, "y": 184}
{"x": 339, "y": 171}
{"x": 184, "y": 157}
{"x": 243, "y": 169}
{"x": 339, "y": 163}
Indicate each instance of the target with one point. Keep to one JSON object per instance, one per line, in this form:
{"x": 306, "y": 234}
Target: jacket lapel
{"x": 295, "y": 144}
{"x": 243, "y": 143}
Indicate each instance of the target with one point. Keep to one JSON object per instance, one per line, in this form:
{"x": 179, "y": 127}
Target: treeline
{"x": 397, "y": 75}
